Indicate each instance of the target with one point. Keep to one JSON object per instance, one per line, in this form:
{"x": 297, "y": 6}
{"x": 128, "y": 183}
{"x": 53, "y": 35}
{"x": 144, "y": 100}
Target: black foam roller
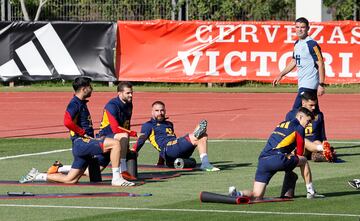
{"x": 94, "y": 170}
{"x": 132, "y": 164}
{"x": 208, "y": 197}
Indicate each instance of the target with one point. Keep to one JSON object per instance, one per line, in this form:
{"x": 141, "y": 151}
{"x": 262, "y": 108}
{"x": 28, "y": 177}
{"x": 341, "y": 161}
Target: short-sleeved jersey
{"x": 116, "y": 113}
{"x": 78, "y": 119}
{"x": 306, "y": 53}
{"x": 287, "y": 136}
{"x": 159, "y": 133}
{"x": 314, "y": 130}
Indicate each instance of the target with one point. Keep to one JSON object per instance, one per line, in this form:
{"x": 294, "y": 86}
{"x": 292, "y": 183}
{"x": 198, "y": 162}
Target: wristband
{"x": 322, "y": 84}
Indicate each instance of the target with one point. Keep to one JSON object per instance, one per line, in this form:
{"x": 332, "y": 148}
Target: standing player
{"x": 308, "y": 59}
{"x": 278, "y": 155}
{"x": 315, "y": 137}
{"x": 78, "y": 120}
{"x": 161, "y": 135}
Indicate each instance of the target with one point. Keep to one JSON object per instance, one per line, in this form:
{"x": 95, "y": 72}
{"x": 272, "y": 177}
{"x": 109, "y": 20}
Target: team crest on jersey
{"x": 86, "y": 140}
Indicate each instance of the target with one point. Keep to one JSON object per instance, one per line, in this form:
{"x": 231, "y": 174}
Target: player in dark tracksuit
{"x": 116, "y": 117}
{"x": 316, "y": 129}
{"x": 78, "y": 120}
{"x": 283, "y": 152}
{"x": 315, "y": 136}
{"x": 160, "y": 133}
{"x": 162, "y": 137}
{"x": 115, "y": 124}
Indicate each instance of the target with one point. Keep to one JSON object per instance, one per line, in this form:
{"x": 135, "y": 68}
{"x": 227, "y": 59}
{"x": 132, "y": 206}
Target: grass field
{"x": 240, "y": 87}
{"x": 178, "y": 198}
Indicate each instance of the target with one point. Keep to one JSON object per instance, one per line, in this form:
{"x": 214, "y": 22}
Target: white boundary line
{"x": 34, "y": 154}
{"x": 210, "y": 141}
{"x": 178, "y": 210}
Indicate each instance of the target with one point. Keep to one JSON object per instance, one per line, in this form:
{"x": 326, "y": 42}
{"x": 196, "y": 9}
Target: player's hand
{"x": 320, "y": 90}
{"x": 277, "y": 80}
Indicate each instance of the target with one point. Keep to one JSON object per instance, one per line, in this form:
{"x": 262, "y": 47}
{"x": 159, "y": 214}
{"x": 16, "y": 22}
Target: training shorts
{"x": 85, "y": 148}
{"x": 179, "y": 148}
{"x": 104, "y": 158}
{"x": 269, "y": 165}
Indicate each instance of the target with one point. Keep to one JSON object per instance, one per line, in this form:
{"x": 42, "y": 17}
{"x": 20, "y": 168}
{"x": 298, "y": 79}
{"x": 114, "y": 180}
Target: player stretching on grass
{"x": 78, "y": 120}
{"x": 317, "y": 147}
{"x": 115, "y": 124}
{"x": 278, "y": 155}
{"x": 161, "y": 135}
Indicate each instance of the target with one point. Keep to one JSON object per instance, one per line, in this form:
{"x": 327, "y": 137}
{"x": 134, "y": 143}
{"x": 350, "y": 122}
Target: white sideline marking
{"x": 178, "y": 210}
{"x": 34, "y": 154}
{"x": 210, "y": 141}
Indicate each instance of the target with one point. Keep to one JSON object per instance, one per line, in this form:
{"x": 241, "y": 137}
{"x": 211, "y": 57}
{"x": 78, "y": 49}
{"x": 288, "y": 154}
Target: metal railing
{"x": 113, "y": 10}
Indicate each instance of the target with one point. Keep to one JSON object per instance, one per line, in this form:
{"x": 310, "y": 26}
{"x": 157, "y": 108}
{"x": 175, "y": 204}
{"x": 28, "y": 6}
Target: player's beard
{"x": 302, "y": 35}
{"x": 127, "y": 100}
{"x": 160, "y": 118}
{"x": 87, "y": 94}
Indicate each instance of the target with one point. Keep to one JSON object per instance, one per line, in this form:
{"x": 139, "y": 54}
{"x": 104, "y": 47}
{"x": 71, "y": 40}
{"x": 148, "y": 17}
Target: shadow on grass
{"x": 347, "y": 147}
{"x": 334, "y": 194}
{"x": 347, "y": 154}
{"x": 228, "y": 165}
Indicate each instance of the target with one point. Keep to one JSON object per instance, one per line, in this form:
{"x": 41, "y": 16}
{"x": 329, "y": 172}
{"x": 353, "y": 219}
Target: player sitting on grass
{"x": 78, "y": 120}
{"x": 317, "y": 147}
{"x": 161, "y": 135}
{"x": 278, "y": 155}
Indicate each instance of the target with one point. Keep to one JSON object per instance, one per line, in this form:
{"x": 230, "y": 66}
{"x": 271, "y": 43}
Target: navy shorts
{"x": 269, "y": 165}
{"x": 314, "y": 136}
{"x": 179, "y": 148}
{"x": 104, "y": 158}
{"x": 83, "y": 149}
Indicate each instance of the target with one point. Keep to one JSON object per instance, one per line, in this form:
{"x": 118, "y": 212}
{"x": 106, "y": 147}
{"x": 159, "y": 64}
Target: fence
{"x": 112, "y": 10}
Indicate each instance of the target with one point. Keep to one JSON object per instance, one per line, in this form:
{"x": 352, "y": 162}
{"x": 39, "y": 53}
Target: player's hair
{"x": 81, "y": 82}
{"x": 303, "y": 20}
{"x": 307, "y": 95}
{"x": 122, "y": 85}
{"x": 158, "y": 102}
{"x": 306, "y": 112}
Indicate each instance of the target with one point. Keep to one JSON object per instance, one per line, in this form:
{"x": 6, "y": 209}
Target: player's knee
{"x": 110, "y": 143}
{"x": 69, "y": 179}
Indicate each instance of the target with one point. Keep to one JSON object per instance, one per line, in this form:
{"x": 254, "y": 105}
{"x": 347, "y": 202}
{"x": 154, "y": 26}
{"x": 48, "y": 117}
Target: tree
{"x": 38, "y": 11}
{"x": 344, "y": 9}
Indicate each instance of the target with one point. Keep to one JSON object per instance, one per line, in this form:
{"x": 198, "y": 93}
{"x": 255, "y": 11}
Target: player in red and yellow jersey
{"x": 283, "y": 152}
{"x": 84, "y": 146}
{"x": 160, "y": 132}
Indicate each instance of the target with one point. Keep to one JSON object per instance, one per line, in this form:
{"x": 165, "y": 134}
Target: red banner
{"x": 198, "y": 51}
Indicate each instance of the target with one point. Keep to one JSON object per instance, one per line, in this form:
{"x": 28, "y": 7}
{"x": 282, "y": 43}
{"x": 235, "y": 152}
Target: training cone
{"x": 208, "y": 197}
